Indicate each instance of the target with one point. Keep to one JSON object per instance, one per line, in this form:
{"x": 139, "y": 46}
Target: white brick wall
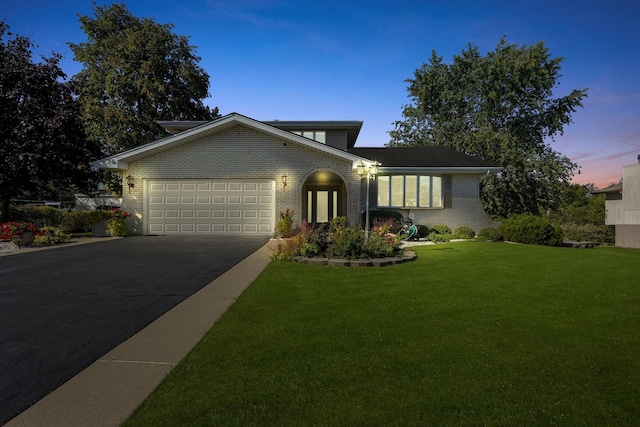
{"x": 242, "y": 153}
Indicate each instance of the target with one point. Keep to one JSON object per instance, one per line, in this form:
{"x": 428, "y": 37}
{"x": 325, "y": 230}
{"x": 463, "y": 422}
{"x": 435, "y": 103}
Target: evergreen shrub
{"x": 423, "y": 231}
{"x": 441, "y": 229}
{"x": 530, "y": 229}
{"x": 489, "y": 234}
{"x": 41, "y": 216}
{"x": 464, "y": 232}
{"x": 439, "y": 237}
{"x": 79, "y": 221}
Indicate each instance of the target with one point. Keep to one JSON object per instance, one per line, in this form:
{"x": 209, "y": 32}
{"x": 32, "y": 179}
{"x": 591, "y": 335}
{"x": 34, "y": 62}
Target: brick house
{"x": 234, "y": 174}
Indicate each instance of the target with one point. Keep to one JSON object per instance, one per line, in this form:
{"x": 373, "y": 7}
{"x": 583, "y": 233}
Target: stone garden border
{"x": 375, "y": 262}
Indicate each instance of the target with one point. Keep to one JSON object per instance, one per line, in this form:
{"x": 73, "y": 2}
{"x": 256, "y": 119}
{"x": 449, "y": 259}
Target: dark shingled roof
{"x": 615, "y": 188}
{"x": 424, "y": 156}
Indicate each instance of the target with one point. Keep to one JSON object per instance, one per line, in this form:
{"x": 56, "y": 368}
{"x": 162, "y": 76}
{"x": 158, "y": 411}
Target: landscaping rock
{"x": 579, "y": 245}
{"x": 379, "y": 262}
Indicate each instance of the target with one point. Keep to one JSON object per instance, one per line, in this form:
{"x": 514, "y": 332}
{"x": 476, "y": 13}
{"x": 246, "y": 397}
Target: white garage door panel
{"x": 210, "y": 207}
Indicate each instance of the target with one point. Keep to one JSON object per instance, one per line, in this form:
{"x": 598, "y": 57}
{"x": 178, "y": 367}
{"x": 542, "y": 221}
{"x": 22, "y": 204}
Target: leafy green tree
{"x": 500, "y": 108}
{"x": 42, "y": 145}
{"x": 582, "y": 215}
{"x": 135, "y": 72}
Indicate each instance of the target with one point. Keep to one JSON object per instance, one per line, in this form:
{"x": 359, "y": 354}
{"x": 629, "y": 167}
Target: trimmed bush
{"x": 78, "y": 221}
{"x": 530, "y": 229}
{"x": 441, "y": 229}
{"x": 439, "y": 237}
{"x": 489, "y": 234}
{"x": 41, "y": 216}
{"x": 464, "y": 232}
{"x": 423, "y": 231}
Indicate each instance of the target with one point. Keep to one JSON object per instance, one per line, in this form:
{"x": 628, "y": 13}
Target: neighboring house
{"x": 235, "y": 174}
{"x": 102, "y": 201}
{"x": 623, "y": 206}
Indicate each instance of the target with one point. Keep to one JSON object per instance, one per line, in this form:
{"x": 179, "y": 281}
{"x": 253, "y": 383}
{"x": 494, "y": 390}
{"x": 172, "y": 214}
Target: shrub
{"x": 284, "y": 227}
{"x": 439, "y": 237}
{"x": 118, "y": 225}
{"x": 423, "y": 231}
{"x": 320, "y": 238}
{"x": 464, "y": 232}
{"x": 381, "y": 245}
{"x": 81, "y": 221}
{"x": 490, "y": 234}
{"x": 441, "y": 229}
{"x": 295, "y": 245}
{"x": 389, "y": 225}
{"x": 41, "y": 216}
{"x": 338, "y": 223}
{"x": 382, "y": 215}
{"x": 346, "y": 243}
{"x": 11, "y": 229}
{"x": 51, "y": 236}
{"x": 591, "y": 232}
{"x": 530, "y": 229}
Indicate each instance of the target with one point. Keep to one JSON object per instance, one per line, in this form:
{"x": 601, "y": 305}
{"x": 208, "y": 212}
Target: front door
{"x": 323, "y": 204}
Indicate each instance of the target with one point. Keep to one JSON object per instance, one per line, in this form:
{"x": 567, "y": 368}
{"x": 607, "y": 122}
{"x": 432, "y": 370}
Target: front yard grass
{"x": 469, "y": 334}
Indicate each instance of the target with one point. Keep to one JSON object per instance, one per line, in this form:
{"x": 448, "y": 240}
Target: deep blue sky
{"x": 348, "y": 60}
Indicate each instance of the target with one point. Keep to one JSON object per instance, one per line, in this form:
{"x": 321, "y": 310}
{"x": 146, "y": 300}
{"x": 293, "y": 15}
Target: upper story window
{"x": 316, "y": 135}
{"x": 410, "y": 191}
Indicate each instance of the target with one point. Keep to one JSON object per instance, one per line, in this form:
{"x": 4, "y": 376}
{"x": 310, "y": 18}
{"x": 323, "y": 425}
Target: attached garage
{"x": 209, "y": 206}
{"x": 234, "y": 175}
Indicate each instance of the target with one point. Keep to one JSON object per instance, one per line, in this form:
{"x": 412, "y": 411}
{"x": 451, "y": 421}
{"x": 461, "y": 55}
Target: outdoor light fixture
{"x": 369, "y": 172}
{"x": 130, "y": 182}
{"x": 284, "y": 180}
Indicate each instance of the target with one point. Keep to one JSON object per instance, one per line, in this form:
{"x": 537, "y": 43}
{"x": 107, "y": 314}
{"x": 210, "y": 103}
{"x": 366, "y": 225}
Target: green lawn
{"x": 469, "y": 334}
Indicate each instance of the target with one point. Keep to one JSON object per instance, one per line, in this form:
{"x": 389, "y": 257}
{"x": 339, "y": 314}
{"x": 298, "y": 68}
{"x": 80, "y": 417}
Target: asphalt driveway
{"x": 62, "y": 309}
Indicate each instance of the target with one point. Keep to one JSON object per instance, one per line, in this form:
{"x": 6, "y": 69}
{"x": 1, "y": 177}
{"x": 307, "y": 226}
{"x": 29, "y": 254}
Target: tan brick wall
{"x": 242, "y": 153}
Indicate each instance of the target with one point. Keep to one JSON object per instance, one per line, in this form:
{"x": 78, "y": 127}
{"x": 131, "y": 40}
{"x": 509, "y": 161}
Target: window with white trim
{"x": 316, "y": 135}
{"x": 409, "y": 191}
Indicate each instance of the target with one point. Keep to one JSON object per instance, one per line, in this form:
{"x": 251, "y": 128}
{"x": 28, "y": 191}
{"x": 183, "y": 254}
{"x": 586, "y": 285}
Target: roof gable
{"x": 120, "y": 161}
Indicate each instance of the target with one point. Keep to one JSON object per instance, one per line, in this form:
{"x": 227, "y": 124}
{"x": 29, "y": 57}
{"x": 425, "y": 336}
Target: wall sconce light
{"x": 284, "y": 180}
{"x": 130, "y": 182}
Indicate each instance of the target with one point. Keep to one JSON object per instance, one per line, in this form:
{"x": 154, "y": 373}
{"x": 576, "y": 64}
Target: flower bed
{"x": 335, "y": 241}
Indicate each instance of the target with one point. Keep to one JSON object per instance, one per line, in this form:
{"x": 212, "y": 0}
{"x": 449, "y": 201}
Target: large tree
{"x": 41, "y": 140}
{"x": 135, "y": 72}
{"x": 499, "y": 107}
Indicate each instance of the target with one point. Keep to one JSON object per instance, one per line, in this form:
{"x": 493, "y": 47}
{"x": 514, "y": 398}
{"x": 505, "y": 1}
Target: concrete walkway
{"x": 108, "y": 391}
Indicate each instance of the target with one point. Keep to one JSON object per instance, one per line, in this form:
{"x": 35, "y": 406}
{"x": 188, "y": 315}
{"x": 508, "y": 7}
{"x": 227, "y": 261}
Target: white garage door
{"x": 210, "y": 206}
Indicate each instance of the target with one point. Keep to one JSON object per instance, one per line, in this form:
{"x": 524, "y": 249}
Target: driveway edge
{"x": 109, "y": 390}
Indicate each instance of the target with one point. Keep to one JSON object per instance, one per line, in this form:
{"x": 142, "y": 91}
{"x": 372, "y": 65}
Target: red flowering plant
{"x": 117, "y": 223}
{"x": 382, "y": 243}
{"x": 118, "y": 214}
{"x": 9, "y": 230}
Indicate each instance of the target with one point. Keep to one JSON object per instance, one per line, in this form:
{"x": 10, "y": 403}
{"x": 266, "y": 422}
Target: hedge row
{"x": 47, "y": 216}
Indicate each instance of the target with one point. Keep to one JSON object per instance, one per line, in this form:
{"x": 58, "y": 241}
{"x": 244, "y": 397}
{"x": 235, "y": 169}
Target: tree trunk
{"x": 4, "y": 209}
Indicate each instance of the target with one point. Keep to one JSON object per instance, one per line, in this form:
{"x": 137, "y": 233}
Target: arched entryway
{"x": 324, "y": 197}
